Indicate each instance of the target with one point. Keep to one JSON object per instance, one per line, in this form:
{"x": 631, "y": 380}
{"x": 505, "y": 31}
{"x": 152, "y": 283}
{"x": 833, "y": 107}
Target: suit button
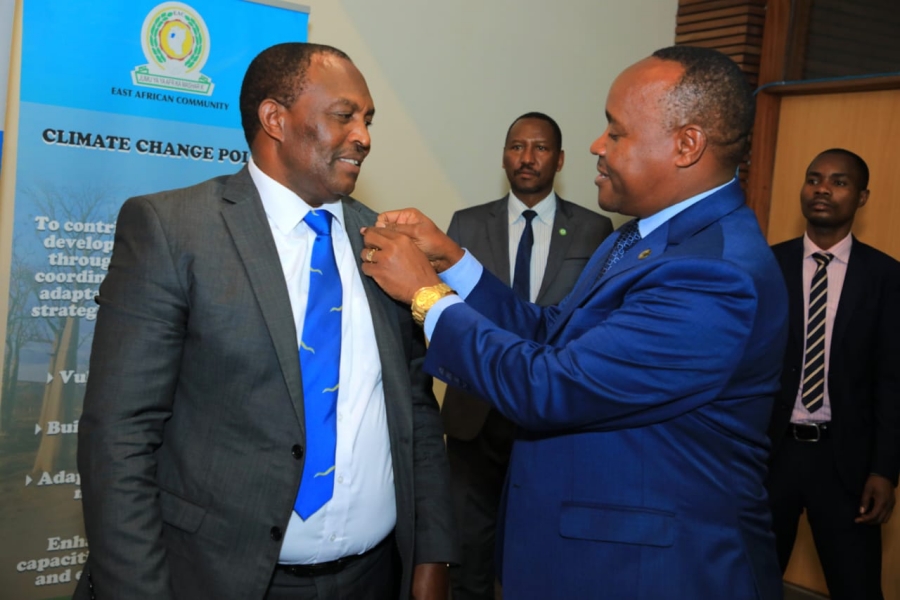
{"x": 275, "y": 534}
{"x": 297, "y": 451}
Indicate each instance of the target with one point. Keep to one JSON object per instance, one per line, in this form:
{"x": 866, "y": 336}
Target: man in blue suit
{"x": 644, "y": 396}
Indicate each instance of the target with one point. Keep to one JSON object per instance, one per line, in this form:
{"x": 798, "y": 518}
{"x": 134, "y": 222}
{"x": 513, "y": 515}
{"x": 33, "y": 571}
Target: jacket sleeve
{"x": 135, "y": 356}
{"x": 671, "y": 346}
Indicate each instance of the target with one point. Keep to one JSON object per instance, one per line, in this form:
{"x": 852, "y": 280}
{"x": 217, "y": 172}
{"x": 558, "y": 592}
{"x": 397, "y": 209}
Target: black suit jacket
{"x": 864, "y": 365}
{"x": 484, "y": 231}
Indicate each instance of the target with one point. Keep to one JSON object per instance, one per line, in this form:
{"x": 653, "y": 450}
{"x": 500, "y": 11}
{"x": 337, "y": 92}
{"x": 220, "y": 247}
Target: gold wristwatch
{"x": 424, "y": 299}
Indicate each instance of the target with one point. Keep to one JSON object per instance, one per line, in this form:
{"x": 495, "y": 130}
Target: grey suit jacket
{"x": 484, "y": 231}
{"x": 191, "y": 441}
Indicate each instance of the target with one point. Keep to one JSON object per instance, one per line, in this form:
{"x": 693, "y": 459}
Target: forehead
{"x": 332, "y": 78}
{"x": 532, "y": 129}
{"x": 828, "y": 164}
{"x": 638, "y": 90}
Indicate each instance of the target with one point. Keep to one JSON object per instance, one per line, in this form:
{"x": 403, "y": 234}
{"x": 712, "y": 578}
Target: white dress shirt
{"x": 362, "y": 510}
{"x": 542, "y": 226}
{"x": 837, "y": 272}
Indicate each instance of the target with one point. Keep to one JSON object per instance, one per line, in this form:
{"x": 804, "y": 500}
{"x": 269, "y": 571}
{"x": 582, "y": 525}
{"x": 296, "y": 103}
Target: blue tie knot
{"x": 529, "y": 215}
{"x": 319, "y": 221}
{"x": 629, "y": 235}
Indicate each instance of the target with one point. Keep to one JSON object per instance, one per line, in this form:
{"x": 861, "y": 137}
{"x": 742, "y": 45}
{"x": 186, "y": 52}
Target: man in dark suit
{"x": 642, "y": 399}
{"x": 539, "y": 243}
{"x": 835, "y": 426}
{"x": 198, "y": 422}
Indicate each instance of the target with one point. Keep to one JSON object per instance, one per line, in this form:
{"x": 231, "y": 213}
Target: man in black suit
{"x": 835, "y": 426}
{"x": 561, "y": 239}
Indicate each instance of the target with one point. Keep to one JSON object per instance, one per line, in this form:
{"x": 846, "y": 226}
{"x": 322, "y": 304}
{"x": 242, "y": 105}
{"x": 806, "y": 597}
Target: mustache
{"x": 525, "y": 170}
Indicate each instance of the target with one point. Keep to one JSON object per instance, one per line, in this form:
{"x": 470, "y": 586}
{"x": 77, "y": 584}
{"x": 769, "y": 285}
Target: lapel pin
{"x": 562, "y": 231}
{"x": 644, "y": 254}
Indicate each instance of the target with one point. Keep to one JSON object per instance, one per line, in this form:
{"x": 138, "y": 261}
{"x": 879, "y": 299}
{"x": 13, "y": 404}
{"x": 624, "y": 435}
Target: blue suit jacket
{"x": 644, "y": 398}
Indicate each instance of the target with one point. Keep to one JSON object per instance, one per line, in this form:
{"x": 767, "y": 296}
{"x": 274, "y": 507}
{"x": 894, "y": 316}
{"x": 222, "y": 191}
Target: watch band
{"x": 424, "y": 299}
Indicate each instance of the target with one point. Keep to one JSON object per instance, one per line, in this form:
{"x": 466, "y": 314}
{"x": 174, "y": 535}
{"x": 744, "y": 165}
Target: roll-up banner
{"x": 7, "y": 9}
{"x": 116, "y": 99}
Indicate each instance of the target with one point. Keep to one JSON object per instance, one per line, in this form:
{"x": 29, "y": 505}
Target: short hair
{"x": 539, "y": 115}
{"x": 279, "y": 73}
{"x": 862, "y": 169}
{"x": 714, "y": 93}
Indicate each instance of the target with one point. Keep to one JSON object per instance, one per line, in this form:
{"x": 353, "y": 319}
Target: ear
{"x": 863, "y": 198}
{"x": 690, "y": 144}
{"x": 271, "y": 118}
{"x": 562, "y": 159}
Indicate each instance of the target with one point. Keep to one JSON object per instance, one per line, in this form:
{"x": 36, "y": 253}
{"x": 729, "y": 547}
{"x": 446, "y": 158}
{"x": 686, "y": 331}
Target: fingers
{"x": 406, "y": 216}
{"x": 877, "y": 501}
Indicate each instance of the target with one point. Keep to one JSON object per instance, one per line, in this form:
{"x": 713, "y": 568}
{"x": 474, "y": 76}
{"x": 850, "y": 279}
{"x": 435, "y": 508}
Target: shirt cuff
{"x": 463, "y": 276}
{"x": 434, "y": 313}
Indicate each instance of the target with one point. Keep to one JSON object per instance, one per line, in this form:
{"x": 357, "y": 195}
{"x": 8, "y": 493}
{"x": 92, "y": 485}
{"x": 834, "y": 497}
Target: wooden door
{"x": 867, "y": 123}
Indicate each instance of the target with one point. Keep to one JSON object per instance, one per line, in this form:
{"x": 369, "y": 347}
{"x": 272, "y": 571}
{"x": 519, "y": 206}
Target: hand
{"x": 441, "y": 251}
{"x": 394, "y": 261}
{"x": 431, "y": 581}
{"x": 877, "y": 501}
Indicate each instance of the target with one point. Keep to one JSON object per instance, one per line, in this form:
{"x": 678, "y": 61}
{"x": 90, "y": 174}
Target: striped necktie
{"x": 320, "y": 360}
{"x": 814, "y": 362}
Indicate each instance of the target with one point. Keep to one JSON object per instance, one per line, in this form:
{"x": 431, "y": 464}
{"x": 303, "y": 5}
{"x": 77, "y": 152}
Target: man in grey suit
{"x": 196, "y": 431}
{"x": 539, "y": 243}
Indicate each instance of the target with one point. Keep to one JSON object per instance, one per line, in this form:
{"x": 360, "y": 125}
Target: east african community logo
{"x": 176, "y": 43}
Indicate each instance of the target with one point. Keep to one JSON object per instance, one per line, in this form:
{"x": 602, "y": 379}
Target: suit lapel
{"x": 851, "y": 293}
{"x": 380, "y": 305}
{"x": 671, "y": 233}
{"x": 793, "y": 278}
{"x": 559, "y": 244}
{"x": 246, "y": 220}
{"x": 497, "y": 236}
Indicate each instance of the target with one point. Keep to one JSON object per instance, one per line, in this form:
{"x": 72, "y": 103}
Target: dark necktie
{"x": 522, "y": 275}
{"x": 320, "y": 360}
{"x": 814, "y": 362}
{"x": 629, "y": 235}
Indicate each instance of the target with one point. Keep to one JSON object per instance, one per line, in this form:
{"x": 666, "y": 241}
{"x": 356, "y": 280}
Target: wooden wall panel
{"x": 734, "y": 27}
{"x": 867, "y": 123}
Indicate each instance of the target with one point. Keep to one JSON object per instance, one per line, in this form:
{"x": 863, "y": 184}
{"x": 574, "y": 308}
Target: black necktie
{"x": 522, "y": 275}
{"x": 814, "y": 362}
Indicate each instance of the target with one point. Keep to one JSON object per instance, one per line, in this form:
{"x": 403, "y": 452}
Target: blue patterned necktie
{"x": 320, "y": 360}
{"x": 814, "y": 361}
{"x": 629, "y": 235}
{"x": 522, "y": 275}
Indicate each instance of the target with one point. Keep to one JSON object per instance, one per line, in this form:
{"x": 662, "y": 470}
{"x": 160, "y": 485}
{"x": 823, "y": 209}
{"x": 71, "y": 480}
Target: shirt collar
{"x": 285, "y": 208}
{"x": 545, "y": 209}
{"x": 648, "y": 224}
{"x": 840, "y": 251}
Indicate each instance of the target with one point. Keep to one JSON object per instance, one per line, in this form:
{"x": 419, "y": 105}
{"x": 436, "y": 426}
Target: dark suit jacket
{"x": 642, "y": 400}
{"x": 864, "y": 363}
{"x": 484, "y": 231}
{"x": 190, "y": 442}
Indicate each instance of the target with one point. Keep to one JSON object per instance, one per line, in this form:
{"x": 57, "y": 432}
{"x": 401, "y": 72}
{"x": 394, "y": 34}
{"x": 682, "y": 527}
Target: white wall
{"x": 449, "y": 77}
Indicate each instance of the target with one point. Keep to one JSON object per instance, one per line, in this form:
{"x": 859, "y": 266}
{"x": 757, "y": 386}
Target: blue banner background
{"x": 76, "y": 82}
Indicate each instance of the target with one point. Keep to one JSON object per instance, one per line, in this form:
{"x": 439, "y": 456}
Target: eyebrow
{"x": 352, "y": 105}
{"x": 809, "y": 173}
